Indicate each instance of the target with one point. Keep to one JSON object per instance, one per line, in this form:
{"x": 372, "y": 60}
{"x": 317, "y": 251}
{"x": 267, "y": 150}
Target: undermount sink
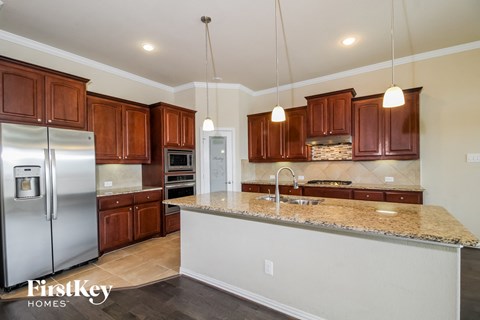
{"x": 301, "y": 202}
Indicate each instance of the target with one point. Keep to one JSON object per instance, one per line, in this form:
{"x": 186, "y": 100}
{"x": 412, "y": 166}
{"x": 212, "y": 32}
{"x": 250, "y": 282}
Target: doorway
{"x": 218, "y": 160}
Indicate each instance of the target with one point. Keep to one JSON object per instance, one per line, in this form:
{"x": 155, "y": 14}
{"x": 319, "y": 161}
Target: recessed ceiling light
{"x": 148, "y": 47}
{"x": 349, "y": 41}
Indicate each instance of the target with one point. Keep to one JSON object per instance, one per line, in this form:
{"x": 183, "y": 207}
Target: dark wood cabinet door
{"x": 172, "y": 223}
{"x": 317, "y": 124}
{"x": 290, "y": 190}
{"x": 413, "y": 197}
{"x": 146, "y": 220}
{"x": 21, "y": 94}
{"x": 296, "y": 134}
{"x": 172, "y": 127}
{"x": 275, "y": 140}
{"x": 115, "y": 228}
{"x": 257, "y": 127}
{"x": 65, "y": 103}
{"x": 105, "y": 120}
{"x": 402, "y": 129}
{"x": 188, "y": 130}
{"x": 136, "y": 143}
{"x": 328, "y": 192}
{"x": 368, "y": 195}
{"x": 367, "y": 131}
{"x": 267, "y": 188}
{"x": 340, "y": 114}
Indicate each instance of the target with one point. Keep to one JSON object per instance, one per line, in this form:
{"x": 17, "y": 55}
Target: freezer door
{"x": 74, "y": 208}
{"x": 25, "y": 228}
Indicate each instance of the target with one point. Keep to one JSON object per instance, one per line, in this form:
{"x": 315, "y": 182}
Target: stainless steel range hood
{"x": 329, "y": 140}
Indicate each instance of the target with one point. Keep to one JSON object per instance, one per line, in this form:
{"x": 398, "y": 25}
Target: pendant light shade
{"x": 278, "y": 114}
{"x": 393, "y": 97}
{"x": 207, "y": 123}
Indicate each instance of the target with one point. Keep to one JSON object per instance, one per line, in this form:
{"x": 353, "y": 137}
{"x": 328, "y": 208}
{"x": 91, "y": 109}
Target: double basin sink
{"x": 298, "y": 201}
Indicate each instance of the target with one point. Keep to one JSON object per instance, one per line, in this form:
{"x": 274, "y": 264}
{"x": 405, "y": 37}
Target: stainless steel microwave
{"x": 179, "y": 160}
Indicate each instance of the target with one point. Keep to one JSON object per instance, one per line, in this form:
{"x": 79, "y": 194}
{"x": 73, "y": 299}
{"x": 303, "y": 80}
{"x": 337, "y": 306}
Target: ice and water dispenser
{"x": 27, "y": 181}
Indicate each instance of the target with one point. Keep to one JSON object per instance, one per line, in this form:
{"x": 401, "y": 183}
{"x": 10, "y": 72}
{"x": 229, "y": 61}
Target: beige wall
{"x": 450, "y": 114}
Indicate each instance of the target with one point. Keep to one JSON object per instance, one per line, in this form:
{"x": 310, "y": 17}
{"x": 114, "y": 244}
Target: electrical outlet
{"x": 389, "y": 179}
{"x": 269, "y": 267}
{"x": 301, "y": 177}
{"x": 473, "y": 157}
{"x": 107, "y": 183}
{"x": 272, "y": 177}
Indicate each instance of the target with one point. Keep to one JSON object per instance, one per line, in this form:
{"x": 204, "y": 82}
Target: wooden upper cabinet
{"x": 386, "y": 133}
{"x": 31, "y": 94}
{"x": 22, "y": 94}
{"x": 402, "y": 128}
{"x": 122, "y": 130}
{"x": 367, "y": 129}
{"x": 178, "y": 127}
{"x": 65, "y": 102}
{"x": 296, "y": 134}
{"x": 188, "y": 130}
{"x": 275, "y": 140}
{"x": 329, "y": 113}
{"x": 136, "y": 138}
{"x": 257, "y": 126}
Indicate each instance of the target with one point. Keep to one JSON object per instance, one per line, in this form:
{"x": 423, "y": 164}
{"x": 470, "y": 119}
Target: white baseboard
{"x": 299, "y": 314}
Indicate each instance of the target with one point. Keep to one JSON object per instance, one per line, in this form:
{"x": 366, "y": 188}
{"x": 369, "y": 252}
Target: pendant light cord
{"x": 392, "y": 32}
{"x": 276, "y": 54}
{"x": 207, "y": 20}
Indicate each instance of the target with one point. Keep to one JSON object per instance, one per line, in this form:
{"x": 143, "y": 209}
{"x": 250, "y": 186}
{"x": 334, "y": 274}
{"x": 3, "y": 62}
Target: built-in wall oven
{"x": 179, "y": 160}
{"x": 176, "y": 186}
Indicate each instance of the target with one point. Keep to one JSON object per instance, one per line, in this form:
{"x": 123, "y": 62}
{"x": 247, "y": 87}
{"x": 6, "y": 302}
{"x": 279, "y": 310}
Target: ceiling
{"x": 242, "y": 34}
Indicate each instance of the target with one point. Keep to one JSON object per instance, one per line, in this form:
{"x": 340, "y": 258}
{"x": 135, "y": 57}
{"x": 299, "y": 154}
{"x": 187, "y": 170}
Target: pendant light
{"x": 393, "y": 97}
{"x": 278, "y": 114}
{"x": 207, "y": 123}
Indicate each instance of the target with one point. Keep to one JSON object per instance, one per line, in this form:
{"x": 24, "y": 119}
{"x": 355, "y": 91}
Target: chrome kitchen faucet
{"x": 277, "y": 191}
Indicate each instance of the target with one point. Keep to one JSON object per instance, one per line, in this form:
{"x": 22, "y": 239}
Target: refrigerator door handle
{"x": 48, "y": 186}
{"x": 54, "y": 184}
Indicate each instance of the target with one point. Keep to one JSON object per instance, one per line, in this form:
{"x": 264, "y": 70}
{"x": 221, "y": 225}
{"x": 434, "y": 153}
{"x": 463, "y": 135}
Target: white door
{"x": 217, "y": 160}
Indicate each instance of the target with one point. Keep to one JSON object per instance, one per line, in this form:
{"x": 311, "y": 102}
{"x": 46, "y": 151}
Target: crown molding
{"x": 7, "y": 36}
{"x": 10, "y": 37}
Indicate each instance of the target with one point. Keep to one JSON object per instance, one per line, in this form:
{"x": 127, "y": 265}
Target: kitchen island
{"x": 340, "y": 259}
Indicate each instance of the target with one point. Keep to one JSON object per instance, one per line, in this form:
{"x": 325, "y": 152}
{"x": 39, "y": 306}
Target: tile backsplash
{"x": 404, "y": 172}
{"x": 120, "y": 175}
{"x": 335, "y": 152}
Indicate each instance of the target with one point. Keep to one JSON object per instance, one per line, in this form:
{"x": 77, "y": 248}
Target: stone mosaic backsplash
{"x": 404, "y": 172}
{"x": 335, "y": 152}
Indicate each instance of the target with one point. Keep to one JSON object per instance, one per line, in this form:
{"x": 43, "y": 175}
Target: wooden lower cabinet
{"x": 172, "y": 222}
{"x": 411, "y": 197}
{"x": 115, "y": 228}
{"x": 125, "y": 219}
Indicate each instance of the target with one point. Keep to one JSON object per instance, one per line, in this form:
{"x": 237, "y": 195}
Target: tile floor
{"x": 139, "y": 264}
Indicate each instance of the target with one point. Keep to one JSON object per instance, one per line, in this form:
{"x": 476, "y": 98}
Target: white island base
{"x": 322, "y": 274}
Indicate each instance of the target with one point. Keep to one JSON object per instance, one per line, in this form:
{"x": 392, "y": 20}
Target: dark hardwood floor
{"x": 470, "y": 298}
{"x": 178, "y": 298}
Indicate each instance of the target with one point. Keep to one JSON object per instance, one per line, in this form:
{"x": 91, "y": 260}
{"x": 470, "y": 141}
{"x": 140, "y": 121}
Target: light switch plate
{"x": 301, "y": 177}
{"x": 389, "y": 179}
{"x": 107, "y": 183}
{"x": 473, "y": 157}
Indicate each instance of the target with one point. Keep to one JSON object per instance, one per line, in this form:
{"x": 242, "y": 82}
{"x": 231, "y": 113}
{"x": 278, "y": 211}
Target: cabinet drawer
{"x": 404, "y": 197}
{"x": 289, "y": 190}
{"x": 250, "y": 188}
{"x": 327, "y": 192}
{"x": 368, "y": 195}
{"x": 147, "y": 196}
{"x": 267, "y": 189}
{"x": 172, "y": 222}
{"x": 111, "y": 202}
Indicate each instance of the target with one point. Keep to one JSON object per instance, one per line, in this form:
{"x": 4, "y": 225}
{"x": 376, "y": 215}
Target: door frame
{"x": 229, "y": 133}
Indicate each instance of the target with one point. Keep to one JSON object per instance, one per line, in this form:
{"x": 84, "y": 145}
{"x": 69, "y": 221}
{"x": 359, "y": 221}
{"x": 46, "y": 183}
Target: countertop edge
{"x": 127, "y": 190}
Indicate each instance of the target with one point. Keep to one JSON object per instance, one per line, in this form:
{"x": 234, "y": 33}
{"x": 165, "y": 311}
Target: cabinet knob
{"x": 136, "y": 208}
{"x": 368, "y": 196}
{"x": 330, "y": 132}
{"x": 119, "y": 157}
{"x": 130, "y": 209}
{"x": 50, "y": 121}
{"x": 117, "y": 202}
{"x": 39, "y": 120}
{"x": 148, "y": 197}
{"x": 401, "y": 198}
{"x": 125, "y": 157}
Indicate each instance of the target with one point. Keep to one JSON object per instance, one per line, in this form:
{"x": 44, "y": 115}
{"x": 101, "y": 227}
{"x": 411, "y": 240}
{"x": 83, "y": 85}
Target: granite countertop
{"x": 112, "y": 192}
{"x": 366, "y": 186}
{"x": 407, "y": 221}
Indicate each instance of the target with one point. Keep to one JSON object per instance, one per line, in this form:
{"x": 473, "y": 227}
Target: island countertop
{"x": 408, "y": 221}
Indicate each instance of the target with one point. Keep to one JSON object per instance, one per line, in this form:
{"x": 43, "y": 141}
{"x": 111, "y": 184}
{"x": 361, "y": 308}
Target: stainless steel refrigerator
{"x": 48, "y": 201}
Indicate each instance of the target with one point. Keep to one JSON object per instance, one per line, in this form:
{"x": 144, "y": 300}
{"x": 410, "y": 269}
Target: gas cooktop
{"x": 330, "y": 182}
